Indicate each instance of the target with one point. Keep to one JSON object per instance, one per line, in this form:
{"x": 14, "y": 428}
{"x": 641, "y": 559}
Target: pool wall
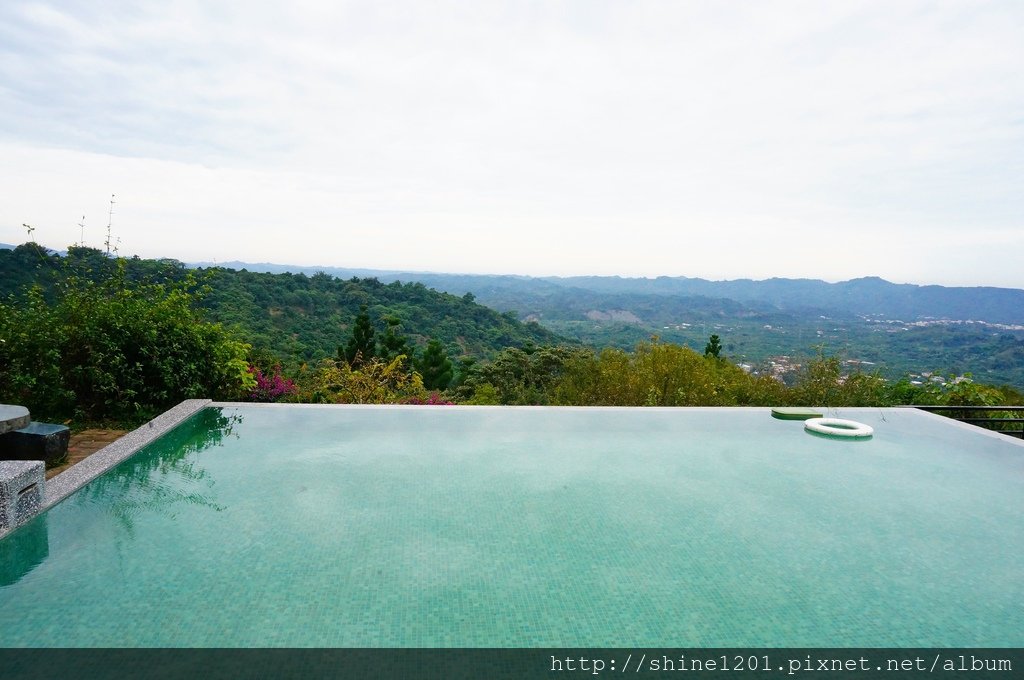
{"x": 1002, "y": 436}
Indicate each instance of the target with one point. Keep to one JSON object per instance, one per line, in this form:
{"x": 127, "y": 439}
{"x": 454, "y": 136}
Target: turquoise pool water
{"x": 440, "y": 526}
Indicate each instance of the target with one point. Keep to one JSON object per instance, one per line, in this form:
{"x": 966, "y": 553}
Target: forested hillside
{"x": 899, "y": 329}
{"x": 294, "y": 317}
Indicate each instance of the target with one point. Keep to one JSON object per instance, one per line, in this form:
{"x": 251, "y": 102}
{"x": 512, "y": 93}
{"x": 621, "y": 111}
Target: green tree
{"x": 655, "y": 374}
{"x": 393, "y": 344}
{"x": 466, "y": 364}
{"x": 821, "y": 382}
{"x": 518, "y": 376}
{"x": 435, "y": 366}
{"x": 713, "y": 350}
{"x": 361, "y": 346}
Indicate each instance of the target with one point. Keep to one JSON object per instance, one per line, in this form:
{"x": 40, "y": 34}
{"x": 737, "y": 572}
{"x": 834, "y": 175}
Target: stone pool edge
{"x": 75, "y": 477}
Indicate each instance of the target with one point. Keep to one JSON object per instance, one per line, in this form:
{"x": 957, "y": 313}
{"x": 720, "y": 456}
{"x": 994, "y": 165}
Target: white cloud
{"x": 712, "y": 139}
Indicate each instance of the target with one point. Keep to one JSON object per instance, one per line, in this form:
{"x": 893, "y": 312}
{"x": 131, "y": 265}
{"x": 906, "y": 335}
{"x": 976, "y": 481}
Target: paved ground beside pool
{"x": 84, "y": 444}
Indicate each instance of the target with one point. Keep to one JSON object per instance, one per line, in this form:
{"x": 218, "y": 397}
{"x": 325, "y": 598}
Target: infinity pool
{"x": 303, "y": 526}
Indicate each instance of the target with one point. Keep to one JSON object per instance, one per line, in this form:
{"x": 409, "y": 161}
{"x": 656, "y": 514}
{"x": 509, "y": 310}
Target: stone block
{"x": 37, "y": 441}
{"x": 21, "y": 491}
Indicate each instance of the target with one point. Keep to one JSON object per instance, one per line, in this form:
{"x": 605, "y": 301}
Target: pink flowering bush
{"x": 433, "y": 399}
{"x": 270, "y": 388}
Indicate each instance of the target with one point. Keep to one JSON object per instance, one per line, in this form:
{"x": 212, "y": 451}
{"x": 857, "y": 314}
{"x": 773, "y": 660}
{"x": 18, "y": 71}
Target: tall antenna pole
{"x": 110, "y": 220}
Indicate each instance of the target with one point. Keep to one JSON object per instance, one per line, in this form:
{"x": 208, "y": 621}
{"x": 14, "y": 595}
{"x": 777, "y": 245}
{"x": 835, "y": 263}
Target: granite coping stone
{"x": 77, "y": 476}
{"x": 13, "y": 417}
{"x": 21, "y": 491}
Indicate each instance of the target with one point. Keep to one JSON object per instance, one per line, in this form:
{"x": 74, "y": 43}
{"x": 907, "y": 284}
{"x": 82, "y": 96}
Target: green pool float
{"x": 795, "y": 413}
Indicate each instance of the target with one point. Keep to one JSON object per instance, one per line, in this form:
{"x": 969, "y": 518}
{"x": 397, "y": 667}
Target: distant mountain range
{"x": 864, "y": 297}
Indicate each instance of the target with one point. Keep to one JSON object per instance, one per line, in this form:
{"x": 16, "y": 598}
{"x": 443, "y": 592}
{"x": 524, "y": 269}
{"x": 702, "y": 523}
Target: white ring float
{"x": 837, "y": 427}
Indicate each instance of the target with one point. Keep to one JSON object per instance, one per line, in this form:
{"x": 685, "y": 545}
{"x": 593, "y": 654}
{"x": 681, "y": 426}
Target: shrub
{"x": 822, "y": 383}
{"x": 655, "y": 374}
{"x": 270, "y": 388}
{"x": 115, "y": 350}
{"x": 433, "y": 399}
{"x": 373, "y": 382}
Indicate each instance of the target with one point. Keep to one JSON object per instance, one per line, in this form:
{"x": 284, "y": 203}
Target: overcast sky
{"x": 718, "y": 139}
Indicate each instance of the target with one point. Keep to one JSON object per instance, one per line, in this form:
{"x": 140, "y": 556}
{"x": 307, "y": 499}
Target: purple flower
{"x": 270, "y": 388}
{"x": 433, "y": 400}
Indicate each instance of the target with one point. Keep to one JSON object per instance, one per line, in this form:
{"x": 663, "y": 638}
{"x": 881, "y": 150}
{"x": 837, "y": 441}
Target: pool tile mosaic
{"x": 426, "y": 527}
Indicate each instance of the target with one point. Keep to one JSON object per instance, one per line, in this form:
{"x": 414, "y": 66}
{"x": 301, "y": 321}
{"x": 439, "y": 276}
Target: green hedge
{"x": 114, "y": 350}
